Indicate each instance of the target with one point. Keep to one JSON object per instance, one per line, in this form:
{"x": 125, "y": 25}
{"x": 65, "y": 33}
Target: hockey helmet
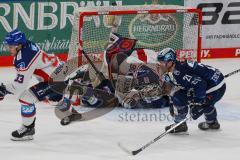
{"x": 166, "y": 55}
{"x": 15, "y": 37}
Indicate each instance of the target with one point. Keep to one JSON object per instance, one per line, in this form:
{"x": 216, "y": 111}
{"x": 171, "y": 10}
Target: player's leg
{"x": 89, "y": 99}
{"x": 179, "y": 100}
{"x": 62, "y": 102}
{"x": 210, "y": 112}
{"x": 211, "y": 122}
{"x": 28, "y": 113}
{"x": 28, "y": 98}
{"x": 106, "y": 99}
{"x": 87, "y": 93}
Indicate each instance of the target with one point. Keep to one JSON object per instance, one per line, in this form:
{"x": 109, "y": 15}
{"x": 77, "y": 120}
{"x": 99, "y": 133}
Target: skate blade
{"x": 211, "y": 130}
{"x": 181, "y": 134}
{"x": 73, "y": 121}
{"x": 26, "y": 138}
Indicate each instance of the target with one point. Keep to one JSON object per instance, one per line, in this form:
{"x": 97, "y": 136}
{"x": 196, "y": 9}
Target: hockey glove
{"x": 131, "y": 100}
{"x": 166, "y": 78}
{"x": 3, "y": 91}
{"x": 197, "y": 108}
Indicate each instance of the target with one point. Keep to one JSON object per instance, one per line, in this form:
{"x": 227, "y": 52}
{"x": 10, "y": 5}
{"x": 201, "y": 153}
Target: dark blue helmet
{"x": 15, "y": 37}
{"x": 166, "y": 55}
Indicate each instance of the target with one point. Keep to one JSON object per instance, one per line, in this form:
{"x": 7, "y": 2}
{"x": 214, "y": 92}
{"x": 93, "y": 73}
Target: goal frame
{"x": 182, "y": 9}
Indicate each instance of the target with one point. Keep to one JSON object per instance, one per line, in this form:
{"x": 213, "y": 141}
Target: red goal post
{"x": 154, "y": 26}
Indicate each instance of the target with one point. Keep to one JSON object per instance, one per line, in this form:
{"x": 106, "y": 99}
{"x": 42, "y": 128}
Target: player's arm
{"x": 18, "y": 85}
{"x": 197, "y": 96}
{"x": 23, "y": 76}
{"x": 196, "y": 87}
{"x": 21, "y": 81}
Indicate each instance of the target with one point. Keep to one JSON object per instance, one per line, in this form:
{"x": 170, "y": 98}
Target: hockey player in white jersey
{"x": 30, "y": 60}
{"x": 133, "y": 71}
{"x": 137, "y": 73}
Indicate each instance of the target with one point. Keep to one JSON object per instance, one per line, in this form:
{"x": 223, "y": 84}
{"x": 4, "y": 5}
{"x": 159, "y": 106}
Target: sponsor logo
{"x": 50, "y": 15}
{"x": 187, "y": 54}
{"x": 205, "y": 53}
{"x": 21, "y": 65}
{"x": 220, "y": 20}
{"x": 153, "y": 30}
{"x": 212, "y": 12}
{"x": 237, "y": 53}
{"x": 28, "y": 109}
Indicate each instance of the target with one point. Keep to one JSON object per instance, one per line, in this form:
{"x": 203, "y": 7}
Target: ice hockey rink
{"x": 97, "y": 139}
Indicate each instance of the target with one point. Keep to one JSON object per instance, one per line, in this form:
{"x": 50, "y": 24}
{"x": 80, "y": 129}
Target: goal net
{"x": 154, "y": 26}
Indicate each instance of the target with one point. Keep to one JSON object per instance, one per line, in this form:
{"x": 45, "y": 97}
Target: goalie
{"x": 134, "y": 73}
{"x": 138, "y": 75}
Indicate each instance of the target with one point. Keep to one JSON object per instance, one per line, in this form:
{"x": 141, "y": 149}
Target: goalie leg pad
{"x": 124, "y": 83}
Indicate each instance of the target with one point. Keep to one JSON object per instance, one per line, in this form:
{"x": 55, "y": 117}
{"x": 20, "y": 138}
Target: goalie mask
{"x": 118, "y": 45}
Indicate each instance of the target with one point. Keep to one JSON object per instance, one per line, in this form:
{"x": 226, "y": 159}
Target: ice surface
{"x": 97, "y": 139}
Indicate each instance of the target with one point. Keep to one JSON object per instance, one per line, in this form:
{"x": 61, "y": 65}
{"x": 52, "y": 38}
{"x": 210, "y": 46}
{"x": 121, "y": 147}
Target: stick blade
{"x": 125, "y": 149}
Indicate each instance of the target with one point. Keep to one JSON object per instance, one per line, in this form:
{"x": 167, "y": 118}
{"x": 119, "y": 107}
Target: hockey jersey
{"x": 197, "y": 78}
{"x": 213, "y": 76}
{"x": 145, "y": 55}
{"x": 32, "y": 61}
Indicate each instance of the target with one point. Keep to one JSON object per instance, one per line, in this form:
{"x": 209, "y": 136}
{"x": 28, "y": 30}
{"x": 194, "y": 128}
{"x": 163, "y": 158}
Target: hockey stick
{"x": 58, "y": 82}
{"x": 98, "y": 73}
{"x": 102, "y": 78}
{"x": 135, "y": 152}
{"x": 232, "y": 73}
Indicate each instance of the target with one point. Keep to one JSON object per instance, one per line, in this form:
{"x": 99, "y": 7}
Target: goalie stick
{"x": 103, "y": 80}
{"x": 97, "y": 72}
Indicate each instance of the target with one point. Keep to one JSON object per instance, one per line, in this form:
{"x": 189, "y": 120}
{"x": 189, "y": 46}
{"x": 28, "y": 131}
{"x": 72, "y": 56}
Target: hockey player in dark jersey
{"x": 199, "y": 88}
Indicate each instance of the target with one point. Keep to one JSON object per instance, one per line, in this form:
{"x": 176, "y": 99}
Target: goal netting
{"x": 154, "y": 26}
